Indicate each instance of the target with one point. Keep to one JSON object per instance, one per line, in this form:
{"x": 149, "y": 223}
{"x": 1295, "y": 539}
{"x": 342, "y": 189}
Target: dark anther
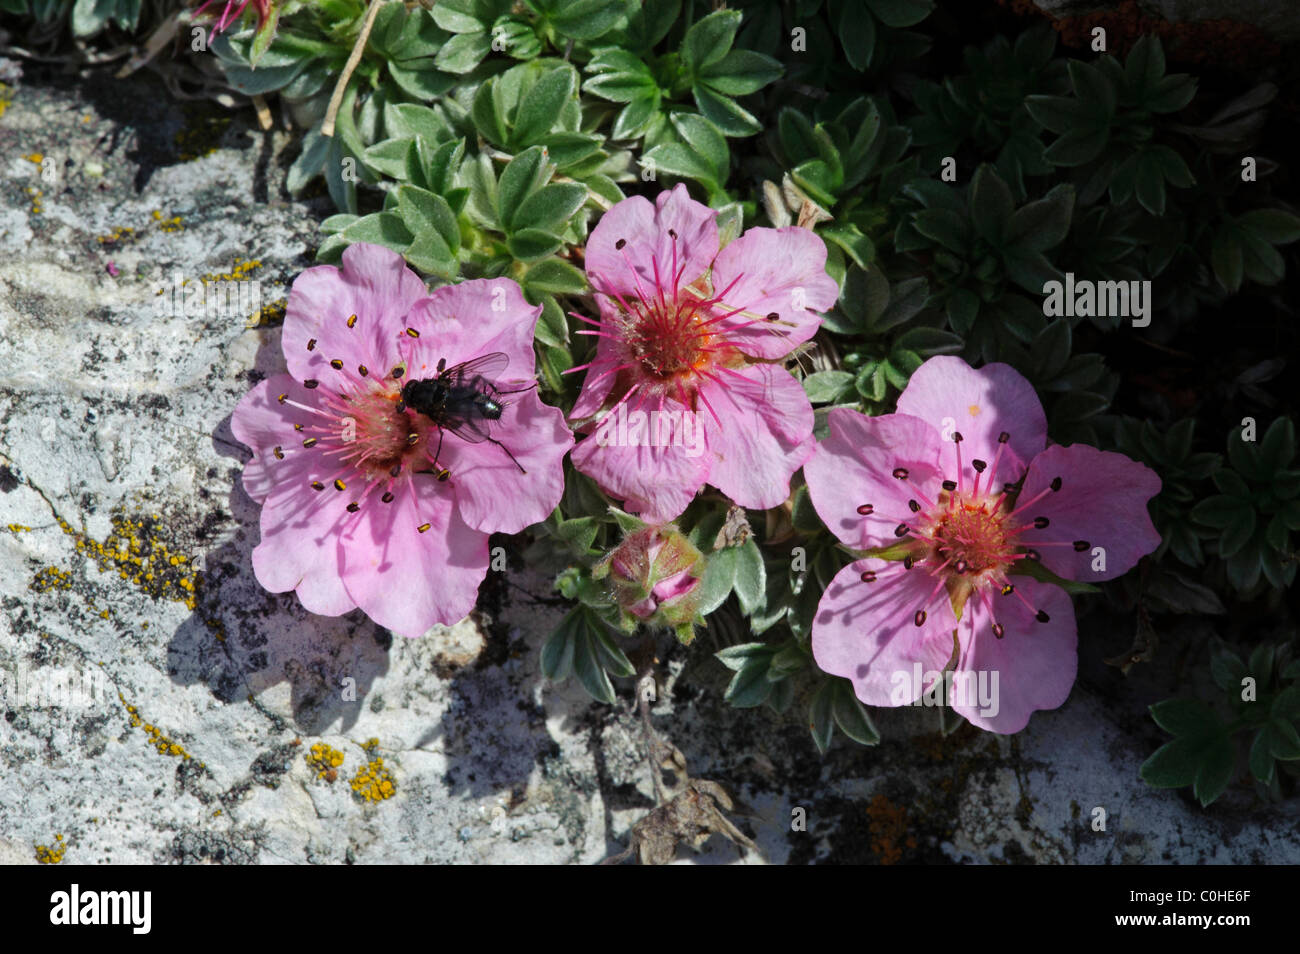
{"x": 412, "y": 438}
{"x": 317, "y": 485}
{"x": 354, "y": 507}
{"x": 913, "y": 506}
{"x": 423, "y": 527}
{"x": 1008, "y": 488}
{"x": 397, "y": 373}
{"x": 339, "y": 485}
{"x": 620, "y": 243}
{"x": 1081, "y": 545}
{"x": 282, "y": 398}
{"x": 865, "y": 510}
{"x": 1041, "y": 523}
{"x": 311, "y": 344}
{"x": 444, "y": 475}
{"x": 412, "y": 332}
{"x": 1041, "y": 616}
{"x": 1056, "y": 483}
{"x": 868, "y": 576}
{"x": 337, "y": 364}
{"x": 279, "y": 454}
{"x": 919, "y": 618}
{"x": 950, "y": 485}
{"x": 1033, "y": 556}
{"x": 998, "y": 630}
{"x": 297, "y": 427}
{"x": 908, "y": 563}
{"x": 1008, "y": 589}
{"x": 352, "y": 320}
{"x": 362, "y": 370}
{"x": 956, "y": 436}
{"x": 387, "y": 497}
{"x": 1003, "y": 437}
{"x": 900, "y": 473}
{"x": 901, "y": 530}
{"x": 773, "y": 316}
{"x": 309, "y": 442}
{"x": 979, "y": 466}
{"x": 395, "y": 469}
{"x": 672, "y": 233}
{"x": 401, "y": 406}
{"x": 961, "y": 566}
{"x": 310, "y": 384}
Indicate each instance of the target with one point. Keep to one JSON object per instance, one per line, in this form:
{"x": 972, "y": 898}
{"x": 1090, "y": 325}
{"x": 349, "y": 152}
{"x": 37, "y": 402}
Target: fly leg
{"x": 440, "y": 472}
{"x": 508, "y": 454}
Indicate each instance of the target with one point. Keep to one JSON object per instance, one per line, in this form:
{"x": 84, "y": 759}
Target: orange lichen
{"x": 373, "y": 782}
{"x": 889, "y": 830}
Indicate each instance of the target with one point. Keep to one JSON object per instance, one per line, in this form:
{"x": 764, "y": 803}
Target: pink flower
{"x": 962, "y": 478}
{"x": 366, "y": 501}
{"x": 694, "y": 336}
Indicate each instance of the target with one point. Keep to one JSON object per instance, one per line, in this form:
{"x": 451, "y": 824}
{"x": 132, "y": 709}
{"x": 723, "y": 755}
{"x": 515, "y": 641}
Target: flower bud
{"x": 655, "y": 577}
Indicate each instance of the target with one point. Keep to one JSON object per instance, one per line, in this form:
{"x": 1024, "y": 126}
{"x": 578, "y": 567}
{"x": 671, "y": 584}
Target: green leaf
{"x": 901, "y": 13}
{"x": 557, "y": 651}
{"x": 750, "y": 687}
{"x": 531, "y": 245}
{"x": 587, "y": 665}
{"x": 820, "y": 715}
{"x": 1173, "y": 765}
{"x": 1215, "y": 771}
{"x": 709, "y": 40}
{"x": 550, "y": 207}
{"x": 1093, "y": 88}
{"x": 1043, "y": 224}
{"x": 520, "y": 178}
{"x": 1185, "y": 717}
{"x": 1262, "y": 765}
{"x": 463, "y": 52}
{"x": 823, "y": 387}
{"x": 379, "y": 228}
{"x": 541, "y": 105}
{"x": 422, "y": 210}
{"x": 851, "y": 715}
{"x": 741, "y": 72}
{"x": 1275, "y": 226}
{"x": 556, "y": 277}
{"x": 991, "y": 205}
{"x": 750, "y": 581}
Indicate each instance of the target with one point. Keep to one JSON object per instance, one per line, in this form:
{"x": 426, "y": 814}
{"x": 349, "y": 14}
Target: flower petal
{"x": 1102, "y": 502}
{"x": 300, "y": 534}
{"x": 493, "y": 496}
{"x": 263, "y": 423}
{"x": 778, "y": 272}
{"x": 408, "y": 580}
{"x": 762, "y": 435}
{"x": 654, "y": 480}
{"x": 603, "y": 372}
{"x": 867, "y": 633}
{"x": 855, "y": 466}
{"x": 1035, "y": 663}
{"x": 375, "y": 285}
{"x": 461, "y": 322}
{"x": 950, "y": 396}
{"x": 649, "y": 244}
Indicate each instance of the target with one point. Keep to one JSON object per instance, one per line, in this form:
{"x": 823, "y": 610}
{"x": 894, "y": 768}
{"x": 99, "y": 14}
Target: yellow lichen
{"x": 373, "y": 782}
{"x": 157, "y": 739}
{"x": 51, "y": 854}
{"x": 19, "y": 528}
{"x": 270, "y": 314}
{"x": 50, "y": 578}
{"x": 135, "y": 552}
{"x": 325, "y": 760}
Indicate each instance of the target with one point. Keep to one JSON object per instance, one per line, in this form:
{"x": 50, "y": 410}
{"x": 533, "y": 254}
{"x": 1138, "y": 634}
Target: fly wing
{"x": 488, "y": 366}
{"x": 470, "y": 430}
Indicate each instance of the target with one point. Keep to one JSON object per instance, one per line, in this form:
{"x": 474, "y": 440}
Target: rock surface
{"x": 206, "y": 719}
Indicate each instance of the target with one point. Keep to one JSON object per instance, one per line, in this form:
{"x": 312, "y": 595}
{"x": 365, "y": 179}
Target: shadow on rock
{"x": 241, "y": 640}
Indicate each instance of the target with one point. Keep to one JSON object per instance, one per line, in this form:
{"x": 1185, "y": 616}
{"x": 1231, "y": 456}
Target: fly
{"x": 463, "y": 400}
